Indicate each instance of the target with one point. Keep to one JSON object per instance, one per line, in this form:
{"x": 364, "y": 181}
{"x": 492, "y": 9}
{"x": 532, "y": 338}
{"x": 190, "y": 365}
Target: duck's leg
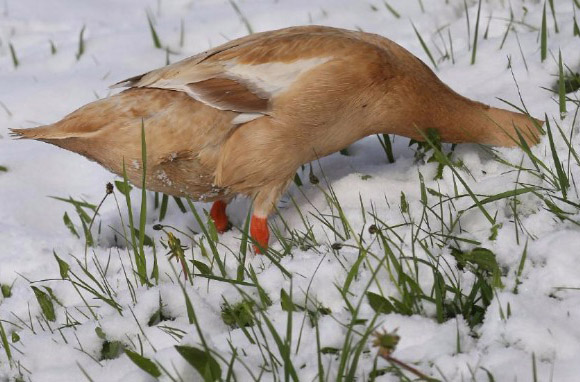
{"x": 260, "y": 233}
{"x": 264, "y": 202}
{"x": 219, "y": 216}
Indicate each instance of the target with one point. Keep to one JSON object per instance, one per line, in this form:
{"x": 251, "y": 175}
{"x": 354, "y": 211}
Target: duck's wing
{"x": 246, "y": 74}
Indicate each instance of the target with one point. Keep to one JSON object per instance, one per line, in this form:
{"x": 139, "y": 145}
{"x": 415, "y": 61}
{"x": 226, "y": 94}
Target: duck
{"x": 241, "y": 118}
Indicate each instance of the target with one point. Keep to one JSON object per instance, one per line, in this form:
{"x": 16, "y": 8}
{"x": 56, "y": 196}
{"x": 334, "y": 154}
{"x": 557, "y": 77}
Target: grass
{"x": 392, "y": 10}
{"x": 424, "y": 46}
{"x": 81, "y": 45}
{"x": 242, "y": 17}
{"x": 417, "y": 254}
{"x": 13, "y": 55}
{"x": 544, "y": 36}
{"x": 474, "y": 51}
{"x": 154, "y": 36}
{"x": 561, "y": 87}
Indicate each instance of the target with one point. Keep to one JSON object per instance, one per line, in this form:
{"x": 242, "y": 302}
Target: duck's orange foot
{"x": 219, "y": 216}
{"x": 260, "y": 233}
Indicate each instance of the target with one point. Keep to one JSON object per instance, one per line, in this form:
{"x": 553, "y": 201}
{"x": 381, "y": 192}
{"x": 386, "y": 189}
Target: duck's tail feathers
{"x": 47, "y": 132}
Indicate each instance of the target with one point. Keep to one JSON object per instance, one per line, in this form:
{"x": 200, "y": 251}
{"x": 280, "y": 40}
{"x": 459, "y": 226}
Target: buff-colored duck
{"x": 243, "y": 117}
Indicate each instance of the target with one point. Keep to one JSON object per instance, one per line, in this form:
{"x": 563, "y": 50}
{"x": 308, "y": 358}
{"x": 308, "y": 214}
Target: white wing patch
{"x": 245, "y": 117}
{"x": 272, "y": 78}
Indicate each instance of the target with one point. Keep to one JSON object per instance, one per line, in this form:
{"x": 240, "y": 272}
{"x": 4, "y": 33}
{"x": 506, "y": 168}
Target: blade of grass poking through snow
{"x": 561, "y": 86}
{"x": 554, "y": 15}
{"x": 154, "y": 36}
{"x": 181, "y": 33}
{"x": 421, "y": 6}
{"x": 211, "y": 370}
{"x": 474, "y": 52}
{"x": 446, "y": 160}
{"x": 125, "y": 188}
{"x": 5, "y": 108}
{"x": 142, "y": 265}
{"x": 385, "y": 142}
{"x": 425, "y": 48}
{"x": 163, "y": 208}
{"x": 143, "y": 363}
{"x": 562, "y": 178}
{"x": 544, "y": 36}
{"x": 244, "y": 246}
{"x": 241, "y": 16}
{"x": 15, "y": 61}
{"x": 81, "y": 48}
{"x": 209, "y": 238}
{"x": 392, "y": 10}
{"x": 576, "y": 29}
{"x": 507, "y": 30}
{"x": 468, "y": 25}
{"x": 451, "y": 45}
{"x": 5, "y": 343}
{"x": 521, "y": 268}
{"x": 202, "y": 361}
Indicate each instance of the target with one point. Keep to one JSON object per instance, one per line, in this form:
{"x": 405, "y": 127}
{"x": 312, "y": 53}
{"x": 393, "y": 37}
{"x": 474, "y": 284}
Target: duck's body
{"x": 242, "y": 117}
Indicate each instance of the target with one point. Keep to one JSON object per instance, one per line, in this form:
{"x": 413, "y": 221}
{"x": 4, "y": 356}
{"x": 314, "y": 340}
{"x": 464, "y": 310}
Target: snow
{"x": 542, "y": 323}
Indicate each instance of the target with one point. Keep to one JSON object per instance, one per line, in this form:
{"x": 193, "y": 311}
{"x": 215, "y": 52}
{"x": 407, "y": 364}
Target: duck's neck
{"x": 460, "y": 120}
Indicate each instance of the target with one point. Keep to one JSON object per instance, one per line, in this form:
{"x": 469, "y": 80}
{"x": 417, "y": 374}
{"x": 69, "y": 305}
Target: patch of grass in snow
{"x": 6, "y": 290}
{"x": 238, "y": 315}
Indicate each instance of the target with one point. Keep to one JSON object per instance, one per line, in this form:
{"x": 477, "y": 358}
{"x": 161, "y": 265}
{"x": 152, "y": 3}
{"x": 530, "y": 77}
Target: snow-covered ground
{"x": 531, "y": 329}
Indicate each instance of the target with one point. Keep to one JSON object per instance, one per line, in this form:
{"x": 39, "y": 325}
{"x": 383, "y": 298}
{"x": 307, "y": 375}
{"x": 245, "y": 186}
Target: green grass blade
{"x": 163, "y": 209}
{"x": 81, "y": 47}
{"x": 209, "y": 238}
{"x": 5, "y": 343}
{"x": 202, "y": 361}
{"x": 554, "y": 15}
{"x": 562, "y": 178}
{"x": 143, "y": 363}
{"x": 544, "y": 36}
{"x": 424, "y": 45}
{"x": 385, "y": 142}
{"x": 392, "y": 10}
{"x": 561, "y": 87}
{"x": 142, "y": 265}
{"x": 53, "y": 49}
{"x": 13, "y": 55}
{"x": 452, "y": 167}
{"x": 242, "y": 16}
{"x": 474, "y": 51}
{"x": 244, "y": 246}
{"x": 154, "y": 36}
